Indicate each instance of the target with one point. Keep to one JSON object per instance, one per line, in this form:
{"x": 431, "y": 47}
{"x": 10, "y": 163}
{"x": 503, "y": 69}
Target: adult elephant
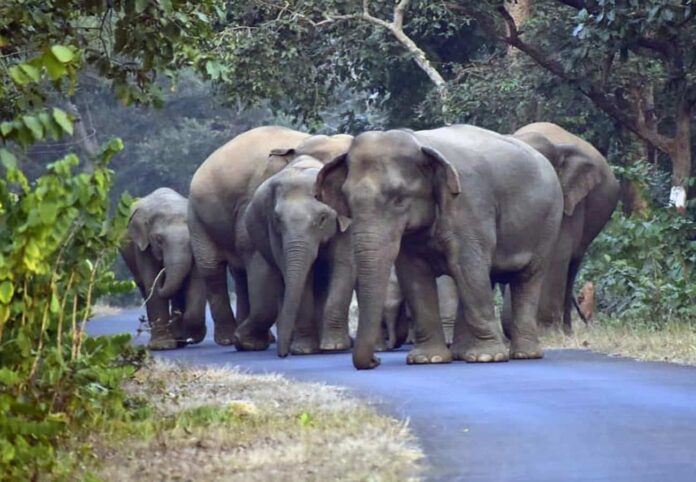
{"x": 590, "y": 195}
{"x": 157, "y": 250}
{"x": 221, "y": 190}
{"x": 305, "y": 245}
{"x": 458, "y": 200}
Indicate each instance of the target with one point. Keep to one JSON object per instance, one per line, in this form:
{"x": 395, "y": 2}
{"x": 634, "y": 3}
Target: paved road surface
{"x": 573, "y": 416}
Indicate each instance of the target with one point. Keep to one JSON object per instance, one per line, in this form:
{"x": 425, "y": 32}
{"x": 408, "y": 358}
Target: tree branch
{"x": 396, "y": 28}
{"x": 590, "y": 90}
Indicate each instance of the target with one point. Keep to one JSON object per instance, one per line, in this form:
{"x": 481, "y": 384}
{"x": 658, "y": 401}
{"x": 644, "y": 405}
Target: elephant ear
{"x": 256, "y": 219}
{"x": 445, "y": 171}
{"x": 328, "y": 188}
{"x": 138, "y": 228}
{"x": 579, "y": 174}
{"x": 282, "y": 152}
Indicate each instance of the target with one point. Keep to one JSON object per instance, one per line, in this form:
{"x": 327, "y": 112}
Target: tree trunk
{"x": 680, "y": 155}
{"x": 520, "y": 11}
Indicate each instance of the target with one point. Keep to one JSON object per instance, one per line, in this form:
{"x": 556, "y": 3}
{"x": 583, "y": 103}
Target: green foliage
{"x": 643, "y": 269}
{"x": 59, "y": 232}
{"x": 123, "y": 41}
{"x": 57, "y": 242}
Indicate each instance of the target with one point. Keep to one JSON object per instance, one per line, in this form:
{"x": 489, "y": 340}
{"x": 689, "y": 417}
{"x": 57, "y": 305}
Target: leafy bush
{"x": 57, "y": 242}
{"x": 642, "y": 268}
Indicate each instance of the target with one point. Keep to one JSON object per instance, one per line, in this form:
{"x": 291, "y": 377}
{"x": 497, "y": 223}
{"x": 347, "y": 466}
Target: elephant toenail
{"x": 485, "y": 358}
{"x": 436, "y": 359}
{"x": 499, "y": 357}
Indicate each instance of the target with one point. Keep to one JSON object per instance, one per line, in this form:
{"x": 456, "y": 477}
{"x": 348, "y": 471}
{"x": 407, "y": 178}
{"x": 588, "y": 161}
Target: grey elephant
{"x": 307, "y": 247}
{"x": 590, "y": 195}
{"x": 397, "y": 318}
{"x": 157, "y": 251}
{"x": 221, "y": 190}
{"x": 459, "y": 200}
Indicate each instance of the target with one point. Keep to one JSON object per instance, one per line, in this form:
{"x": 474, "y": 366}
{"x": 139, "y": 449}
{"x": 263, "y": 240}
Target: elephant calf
{"x": 397, "y": 319}
{"x": 157, "y": 250}
{"x": 306, "y": 247}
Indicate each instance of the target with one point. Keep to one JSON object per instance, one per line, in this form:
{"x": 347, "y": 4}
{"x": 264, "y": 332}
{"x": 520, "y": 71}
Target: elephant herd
{"x": 416, "y": 223}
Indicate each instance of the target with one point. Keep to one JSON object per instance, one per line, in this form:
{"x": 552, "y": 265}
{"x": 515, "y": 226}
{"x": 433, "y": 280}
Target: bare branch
{"x": 399, "y": 11}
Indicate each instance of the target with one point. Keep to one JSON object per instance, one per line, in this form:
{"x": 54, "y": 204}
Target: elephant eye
{"x": 321, "y": 220}
{"x": 399, "y": 201}
{"x": 159, "y": 238}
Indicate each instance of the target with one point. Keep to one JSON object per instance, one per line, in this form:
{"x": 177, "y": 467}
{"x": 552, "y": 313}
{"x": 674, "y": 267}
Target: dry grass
{"x": 222, "y": 424}
{"x": 675, "y": 343}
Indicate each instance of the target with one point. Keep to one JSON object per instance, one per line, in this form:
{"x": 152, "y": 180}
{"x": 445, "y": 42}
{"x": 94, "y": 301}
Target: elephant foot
{"x": 481, "y": 352}
{"x": 526, "y": 350}
{"x": 341, "y": 342}
{"x": 381, "y": 346}
{"x": 224, "y": 334}
{"x": 195, "y": 336}
{"x": 425, "y": 353}
{"x": 248, "y": 340}
{"x": 304, "y": 346}
{"x": 161, "y": 336}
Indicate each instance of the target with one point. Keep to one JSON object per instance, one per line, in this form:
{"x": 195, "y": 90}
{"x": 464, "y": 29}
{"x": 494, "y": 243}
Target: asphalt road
{"x": 573, "y": 416}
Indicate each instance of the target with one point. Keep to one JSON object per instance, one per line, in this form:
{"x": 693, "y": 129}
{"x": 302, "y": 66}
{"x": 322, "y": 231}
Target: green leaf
{"x": 6, "y": 127}
{"x": 63, "y": 120}
{"x": 6, "y": 292}
{"x": 141, "y": 5}
{"x": 19, "y": 77}
{"x": 55, "y": 69}
{"x": 62, "y": 53}
{"x": 9, "y": 377}
{"x": 166, "y": 6}
{"x": 34, "y": 126}
{"x": 8, "y": 159}
{"x": 55, "y": 305}
{"x": 31, "y": 72}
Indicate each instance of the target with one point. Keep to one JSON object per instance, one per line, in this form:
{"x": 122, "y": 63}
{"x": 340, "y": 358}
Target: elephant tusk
{"x": 152, "y": 288}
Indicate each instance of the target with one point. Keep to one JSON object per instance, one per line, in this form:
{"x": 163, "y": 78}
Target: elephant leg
{"x": 265, "y": 286}
{"x": 448, "y": 301}
{"x": 241, "y": 291}
{"x": 334, "y": 322}
{"x": 212, "y": 266}
{"x": 390, "y": 320}
{"x": 193, "y": 322}
{"x": 219, "y": 301}
{"x": 573, "y": 269}
{"x": 479, "y": 336}
{"x": 403, "y": 323}
{"x": 305, "y": 337}
{"x": 524, "y": 294}
{"x": 506, "y": 312}
{"x": 417, "y": 281}
{"x": 161, "y": 336}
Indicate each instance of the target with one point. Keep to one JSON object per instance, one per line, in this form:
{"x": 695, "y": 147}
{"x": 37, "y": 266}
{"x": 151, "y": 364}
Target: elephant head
{"x": 288, "y": 225}
{"x": 389, "y": 184}
{"x": 578, "y": 172}
{"x": 158, "y": 228}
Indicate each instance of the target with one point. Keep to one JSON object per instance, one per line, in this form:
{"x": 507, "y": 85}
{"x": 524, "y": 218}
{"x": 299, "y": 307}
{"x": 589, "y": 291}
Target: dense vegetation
{"x": 175, "y": 79}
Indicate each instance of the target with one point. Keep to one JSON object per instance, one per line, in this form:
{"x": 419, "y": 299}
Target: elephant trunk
{"x": 374, "y": 257}
{"x": 175, "y": 273}
{"x": 300, "y": 254}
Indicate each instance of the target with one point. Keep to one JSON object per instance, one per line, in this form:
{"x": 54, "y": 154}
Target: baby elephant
{"x": 157, "y": 250}
{"x": 308, "y": 256}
